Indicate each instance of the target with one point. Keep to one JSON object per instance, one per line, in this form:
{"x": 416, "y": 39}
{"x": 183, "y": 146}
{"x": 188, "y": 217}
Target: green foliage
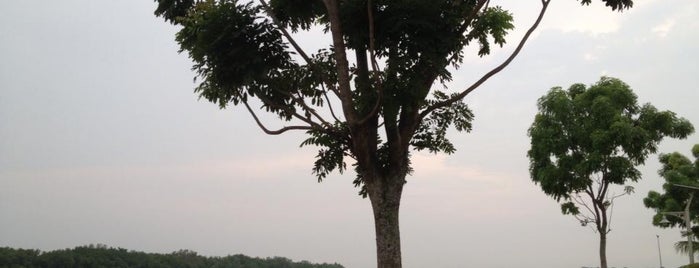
{"x": 243, "y": 50}
{"x": 332, "y": 151}
{"x": 676, "y": 169}
{"x": 570, "y": 208}
{"x": 255, "y": 65}
{"x": 102, "y": 256}
{"x": 601, "y": 130}
{"x": 585, "y": 139}
{"x": 240, "y": 50}
{"x": 682, "y": 247}
{"x": 614, "y": 4}
{"x": 173, "y": 10}
{"x": 431, "y": 134}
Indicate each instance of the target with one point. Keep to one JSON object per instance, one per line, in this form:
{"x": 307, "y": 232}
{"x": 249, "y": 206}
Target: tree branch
{"x": 492, "y": 72}
{"x": 307, "y": 108}
{"x": 611, "y": 213}
{"x": 591, "y": 193}
{"x": 616, "y": 196}
{"x": 273, "y": 132}
{"x": 270, "y": 103}
{"x": 578, "y": 199}
{"x": 286, "y": 34}
{"x": 604, "y": 186}
{"x": 374, "y": 65}
{"x": 345, "y": 92}
{"x": 330, "y": 107}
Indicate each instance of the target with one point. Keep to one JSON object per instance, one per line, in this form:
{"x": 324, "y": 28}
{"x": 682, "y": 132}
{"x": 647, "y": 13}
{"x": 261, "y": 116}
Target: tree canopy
{"x": 372, "y": 108}
{"x": 599, "y": 131}
{"x": 243, "y": 50}
{"x": 586, "y": 139}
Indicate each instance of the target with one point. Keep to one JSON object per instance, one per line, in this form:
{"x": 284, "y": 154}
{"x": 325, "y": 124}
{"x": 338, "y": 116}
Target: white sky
{"x": 103, "y": 141}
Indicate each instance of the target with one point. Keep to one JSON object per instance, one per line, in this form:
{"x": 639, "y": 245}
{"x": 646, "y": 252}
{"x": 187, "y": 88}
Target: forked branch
{"x": 273, "y": 132}
{"x": 580, "y": 201}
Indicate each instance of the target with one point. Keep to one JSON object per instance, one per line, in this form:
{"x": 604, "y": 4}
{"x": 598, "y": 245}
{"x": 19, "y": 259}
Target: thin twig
{"x": 578, "y": 199}
{"x": 330, "y": 107}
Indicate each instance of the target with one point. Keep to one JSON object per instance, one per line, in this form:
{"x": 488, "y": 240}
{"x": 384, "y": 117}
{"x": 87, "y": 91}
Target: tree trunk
{"x": 385, "y": 197}
{"x": 603, "y": 249}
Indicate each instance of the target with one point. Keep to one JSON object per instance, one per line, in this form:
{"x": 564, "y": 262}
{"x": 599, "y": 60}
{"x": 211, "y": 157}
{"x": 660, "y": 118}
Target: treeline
{"x": 103, "y": 256}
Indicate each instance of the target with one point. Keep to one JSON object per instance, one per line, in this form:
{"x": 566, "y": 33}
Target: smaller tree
{"x": 584, "y": 140}
{"x": 681, "y": 177}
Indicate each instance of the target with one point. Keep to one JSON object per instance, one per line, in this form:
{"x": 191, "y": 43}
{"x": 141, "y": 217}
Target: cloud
{"x": 594, "y": 19}
{"x": 661, "y": 30}
{"x": 439, "y": 171}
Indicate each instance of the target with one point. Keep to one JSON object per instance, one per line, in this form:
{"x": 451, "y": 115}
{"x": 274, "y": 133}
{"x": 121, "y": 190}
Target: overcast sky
{"x": 103, "y": 141}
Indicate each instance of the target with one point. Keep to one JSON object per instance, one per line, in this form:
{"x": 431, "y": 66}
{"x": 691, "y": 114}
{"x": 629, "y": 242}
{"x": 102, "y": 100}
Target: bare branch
{"x": 611, "y": 213}
{"x": 492, "y": 72}
{"x": 604, "y": 186}
{"x": 597, "y": 178}
{"x": 584, "y": 220}
{"x": 578, "y": 199}
{"x": 616, "y": 196}
{"x": 273, "y": 132}
{"x": 307, "y": 108}
{"x": 330, "y": 107}
{"x": 288, "y": 109}
{"x": 591, "y": 193}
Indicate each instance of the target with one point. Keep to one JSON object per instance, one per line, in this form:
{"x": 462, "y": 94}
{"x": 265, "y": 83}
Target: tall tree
{"x": 374, "y": 111}
{"x": 681, "y": 184}
{"x": 586, "y": 139}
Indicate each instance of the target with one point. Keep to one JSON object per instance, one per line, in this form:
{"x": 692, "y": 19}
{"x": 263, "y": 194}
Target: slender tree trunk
{"x": 385, "y": 201}
{"x": 603, "y": 249}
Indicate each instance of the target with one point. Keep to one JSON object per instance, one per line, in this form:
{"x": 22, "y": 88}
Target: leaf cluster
{"x": 333, "y": 147}
{"x": 239, "y": 53}
{"x": 619, "y": 5}
{"x": 431, "y": 134}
